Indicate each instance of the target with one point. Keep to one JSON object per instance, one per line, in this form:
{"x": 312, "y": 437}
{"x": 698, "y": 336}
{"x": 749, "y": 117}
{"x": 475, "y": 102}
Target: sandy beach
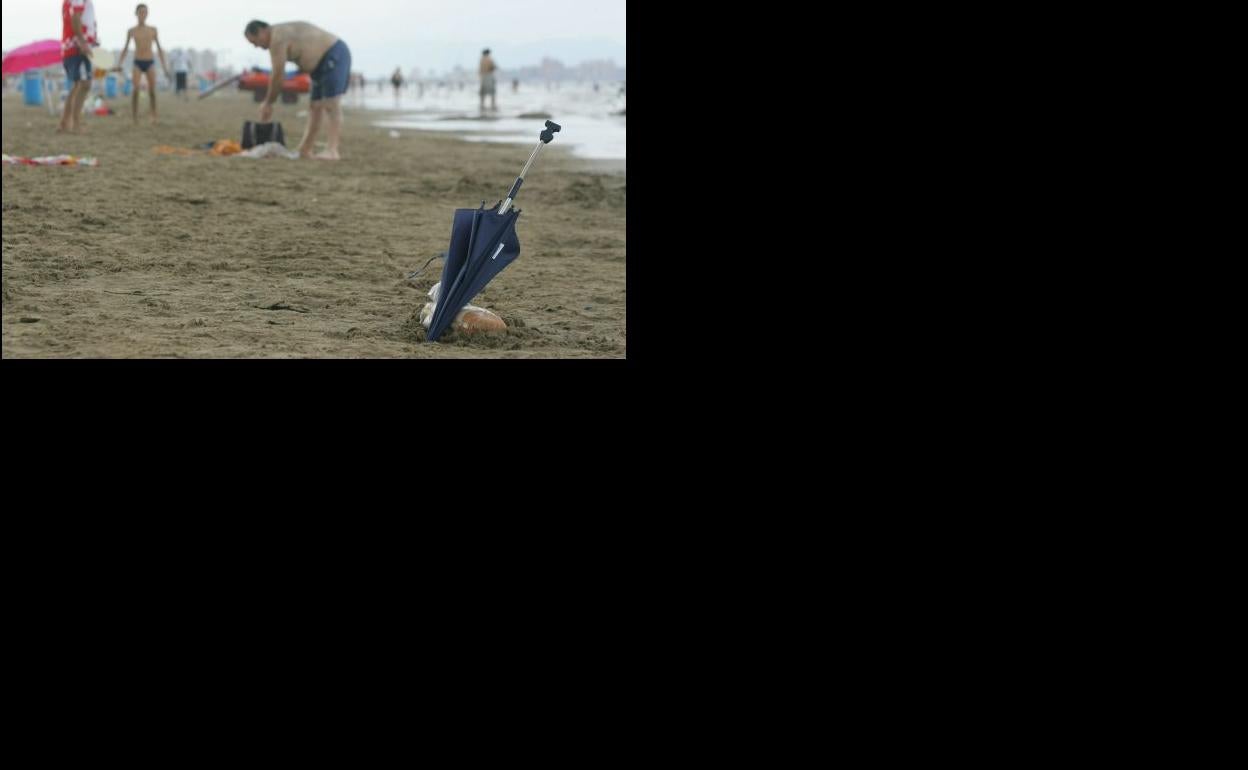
{"x": 165, "y": 256}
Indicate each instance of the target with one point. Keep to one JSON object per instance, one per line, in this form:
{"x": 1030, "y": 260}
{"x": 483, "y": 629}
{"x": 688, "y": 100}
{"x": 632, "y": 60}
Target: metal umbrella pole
{"x": 546, "y": 136}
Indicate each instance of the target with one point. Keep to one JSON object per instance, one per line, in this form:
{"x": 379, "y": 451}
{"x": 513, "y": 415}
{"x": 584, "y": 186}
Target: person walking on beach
{"x": 143, "y": 37}
{"x": 78, "y": 34}
{"x": 486, "y": 70}
{"x": 321, "y": 54}
{"x": 181, "y": 67}
{"x": 397, "y": 81}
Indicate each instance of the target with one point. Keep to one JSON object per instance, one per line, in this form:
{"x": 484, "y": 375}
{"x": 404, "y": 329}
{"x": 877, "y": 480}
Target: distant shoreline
{"x": 379, "y": 116}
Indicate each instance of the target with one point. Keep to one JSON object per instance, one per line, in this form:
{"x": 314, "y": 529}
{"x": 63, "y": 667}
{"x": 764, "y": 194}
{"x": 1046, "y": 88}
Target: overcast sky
{"x": 382, "y": 34}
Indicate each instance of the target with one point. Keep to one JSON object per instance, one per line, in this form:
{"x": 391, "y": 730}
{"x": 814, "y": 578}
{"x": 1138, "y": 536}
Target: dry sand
{"x": 161, "y": 256}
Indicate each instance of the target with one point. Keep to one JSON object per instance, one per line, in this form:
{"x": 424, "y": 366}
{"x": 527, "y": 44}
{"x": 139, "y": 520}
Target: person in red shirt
{"x": 78, "y": 36}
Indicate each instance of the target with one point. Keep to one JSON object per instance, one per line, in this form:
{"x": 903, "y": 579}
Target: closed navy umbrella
{"x": 483, "y": 242}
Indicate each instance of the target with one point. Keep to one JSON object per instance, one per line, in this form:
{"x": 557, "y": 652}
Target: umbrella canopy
{"x": 43, "y": 53}
{"x": 483, "y": 242}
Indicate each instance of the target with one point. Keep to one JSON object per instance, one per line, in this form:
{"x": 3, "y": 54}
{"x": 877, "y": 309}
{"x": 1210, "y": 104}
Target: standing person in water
{"x": 319, "y": 53}
{"x": 486, "y": 71}
{"x": 397, "y": 81}
{"x": 143, "y": 37}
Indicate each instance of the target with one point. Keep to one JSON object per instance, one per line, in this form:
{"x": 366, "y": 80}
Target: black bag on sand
{"x": 259, "y": 133}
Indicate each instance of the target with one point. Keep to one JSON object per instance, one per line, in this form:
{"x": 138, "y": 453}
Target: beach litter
{"x": 50, "y": 160}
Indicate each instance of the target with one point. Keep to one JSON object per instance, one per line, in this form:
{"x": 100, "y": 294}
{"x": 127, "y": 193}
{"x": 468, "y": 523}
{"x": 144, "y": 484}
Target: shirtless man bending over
{"x": 317, "y": 52}
{"x": 143, "y": 37}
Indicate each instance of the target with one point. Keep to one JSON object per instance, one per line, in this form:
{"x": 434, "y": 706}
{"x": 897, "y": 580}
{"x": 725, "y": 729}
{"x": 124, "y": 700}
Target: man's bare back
{"x": 317, "y": 52}
{"x": 303, "y": 43}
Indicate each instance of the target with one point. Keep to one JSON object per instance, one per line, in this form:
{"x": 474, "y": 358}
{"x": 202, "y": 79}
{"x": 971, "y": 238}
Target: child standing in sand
{"x": 143, "y": 37}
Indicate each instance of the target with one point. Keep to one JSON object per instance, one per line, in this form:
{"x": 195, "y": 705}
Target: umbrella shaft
{"x": 532, "y": 157}
{"x": 502, "y": 209}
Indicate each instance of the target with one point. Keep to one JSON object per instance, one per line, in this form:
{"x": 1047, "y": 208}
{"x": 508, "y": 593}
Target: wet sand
{"x": 163, "y": 256}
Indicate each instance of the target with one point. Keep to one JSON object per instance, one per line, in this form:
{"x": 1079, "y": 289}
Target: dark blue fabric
{"x": 329, "y": 79}
{"x": 473, "y": 259}
{"x": 457, "y": 253}
{"x": 77, "y": 67}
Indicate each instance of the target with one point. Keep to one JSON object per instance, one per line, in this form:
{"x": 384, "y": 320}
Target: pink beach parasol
{"x": 30, "y": 56}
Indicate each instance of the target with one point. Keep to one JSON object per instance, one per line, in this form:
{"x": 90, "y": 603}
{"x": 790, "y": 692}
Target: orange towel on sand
{"x": 221, "y": 148}
{"x": 165, "y": 149}
{"x": 226, "y": 147}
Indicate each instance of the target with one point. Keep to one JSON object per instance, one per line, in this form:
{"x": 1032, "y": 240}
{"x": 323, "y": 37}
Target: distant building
{"x": 202, "y": 61}
{"x": 552, "y": 69}
{"x": 549, "y": 70}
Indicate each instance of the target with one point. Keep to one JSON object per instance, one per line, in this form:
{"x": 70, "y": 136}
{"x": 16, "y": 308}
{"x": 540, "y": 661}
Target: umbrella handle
{"x": 549, "y": 133}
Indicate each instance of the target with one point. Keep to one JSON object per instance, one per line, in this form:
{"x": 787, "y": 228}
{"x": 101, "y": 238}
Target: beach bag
{"x": 259, "y": 133}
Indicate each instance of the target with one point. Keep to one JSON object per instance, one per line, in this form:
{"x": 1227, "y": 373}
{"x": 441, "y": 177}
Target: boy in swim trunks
{"x": 143, "y": 37}
{"x": 317, "y": 52}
